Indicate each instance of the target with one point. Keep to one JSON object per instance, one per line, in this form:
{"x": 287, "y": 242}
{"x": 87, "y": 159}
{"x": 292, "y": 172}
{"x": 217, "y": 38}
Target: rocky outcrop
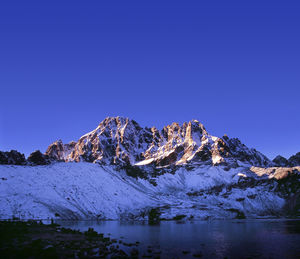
{"x": 285, "y": 181}
{"x": 37, "y": 158}
{"x": 58, "y": 151}
{"x": 123, "y": 142}
{"x": 281, "y": 161}
{"x": 240, "y": 152}
{"x": 12, "y": 157}
{"x": 118, "y": 141}
{"x": 295, "y": 160}
{"x": 276, "y": 172}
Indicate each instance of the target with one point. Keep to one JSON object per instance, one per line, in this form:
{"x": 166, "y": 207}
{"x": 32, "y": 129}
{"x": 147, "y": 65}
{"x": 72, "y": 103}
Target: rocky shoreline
{"x": 34, "y": 239}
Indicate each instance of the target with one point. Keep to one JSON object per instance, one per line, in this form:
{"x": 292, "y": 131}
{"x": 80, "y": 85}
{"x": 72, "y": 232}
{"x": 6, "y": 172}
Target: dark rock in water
{"x": 281, "y": 161}
{"x": 37, "y": 158}
{"x": 198, "y": 254}
{"x": 295, "y": 160}
{"x": 154, "y": 216}
{"x": 134, "y": 253}
{"x": 12, "y": 157}
{"x": 179, "y": 217}
{"x": 239, "y": 214}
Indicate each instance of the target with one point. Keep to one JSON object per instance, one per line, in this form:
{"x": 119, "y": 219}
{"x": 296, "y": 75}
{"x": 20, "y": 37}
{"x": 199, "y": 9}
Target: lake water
{"x": 210, "y": 239}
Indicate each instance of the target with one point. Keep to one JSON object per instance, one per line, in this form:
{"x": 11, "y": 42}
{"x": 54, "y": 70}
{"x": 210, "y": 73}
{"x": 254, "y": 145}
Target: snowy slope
{"x": 72, "y": 190}
{"x": 90, "y": 191}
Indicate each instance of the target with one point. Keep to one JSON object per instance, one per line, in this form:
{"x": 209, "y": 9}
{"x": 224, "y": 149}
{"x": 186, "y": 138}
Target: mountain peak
{"x": 118, "y": 122}
{"x": 113, "y": 121}
{"x": 121, "y": 141}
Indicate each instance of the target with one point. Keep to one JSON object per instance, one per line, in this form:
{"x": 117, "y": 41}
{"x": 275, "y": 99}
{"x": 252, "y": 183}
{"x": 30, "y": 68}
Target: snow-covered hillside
{"x": 86, "y": 190}
{"x": 121, "y": 170}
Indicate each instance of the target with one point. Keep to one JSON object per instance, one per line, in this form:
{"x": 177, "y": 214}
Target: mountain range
{"x": 178, "y": 170}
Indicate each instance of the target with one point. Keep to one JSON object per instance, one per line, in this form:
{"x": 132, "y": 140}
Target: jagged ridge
{"x": 121, "y": 141}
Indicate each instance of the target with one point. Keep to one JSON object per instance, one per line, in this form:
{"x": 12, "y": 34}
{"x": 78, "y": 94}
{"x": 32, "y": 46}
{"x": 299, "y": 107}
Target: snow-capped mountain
{"x": 125, "y": 171}
{"x": 121, "y": 141}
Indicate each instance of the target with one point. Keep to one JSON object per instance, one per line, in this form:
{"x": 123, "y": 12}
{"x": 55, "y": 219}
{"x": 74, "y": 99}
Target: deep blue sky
{"x": 233, "y": 65}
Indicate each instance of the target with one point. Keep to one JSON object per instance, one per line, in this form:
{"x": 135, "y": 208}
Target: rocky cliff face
{"x": 121, "y": 141}
{"x": 58, "y": 151}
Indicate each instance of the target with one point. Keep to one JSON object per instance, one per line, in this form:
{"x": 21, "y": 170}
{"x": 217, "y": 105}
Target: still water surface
{"x": 210, "y": 239}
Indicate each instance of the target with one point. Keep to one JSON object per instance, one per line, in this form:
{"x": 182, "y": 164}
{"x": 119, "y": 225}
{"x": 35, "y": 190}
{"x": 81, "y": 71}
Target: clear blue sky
{"x": 233, "y": 65}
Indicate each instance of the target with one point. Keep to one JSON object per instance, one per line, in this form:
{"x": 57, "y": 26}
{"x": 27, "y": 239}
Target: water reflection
{"x": 213, "y": 239}
{"x": 291, "y": 227}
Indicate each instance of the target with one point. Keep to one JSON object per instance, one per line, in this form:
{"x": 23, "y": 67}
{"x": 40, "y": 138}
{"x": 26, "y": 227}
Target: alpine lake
{"x": 247, "y": 238}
